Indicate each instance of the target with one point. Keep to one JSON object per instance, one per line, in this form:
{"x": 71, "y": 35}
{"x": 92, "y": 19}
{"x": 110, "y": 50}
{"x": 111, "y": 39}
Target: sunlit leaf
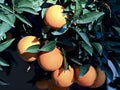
{"x": 52, "y": 1}
{"x": 33, "y": 49}
{"x": 6, "y": 19}
{"x": 3, "y": 62}
{"x": 49, "y": 46}
{"x": 27, "y": 9}
{"x": 89, "y": 17}
{"x": 6, "y": 44}
{"x": 23, "y": 19}
{"x": 6, "y": 7}
{"x": 84, "y": 69}
{"x": 88, "y": 48}
{"x": 78, "y": 8}
{"x": 98, "y": 47}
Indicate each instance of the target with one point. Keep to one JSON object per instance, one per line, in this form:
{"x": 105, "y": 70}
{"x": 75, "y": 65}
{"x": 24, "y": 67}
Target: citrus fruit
{"x": 54, "y": 16}
{"x": 53, "y": 86}
{"x": 42, "y": 84}
{"x": 23, "y": 44}
{"x": 51, "y": 61}
{"x": 100, "y": 79}
{"x": 86, "y": 80}
{"x": 63, "y": 78}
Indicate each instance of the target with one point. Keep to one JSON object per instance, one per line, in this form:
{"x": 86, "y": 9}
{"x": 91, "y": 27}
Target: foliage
{"x": 92, "y": 31}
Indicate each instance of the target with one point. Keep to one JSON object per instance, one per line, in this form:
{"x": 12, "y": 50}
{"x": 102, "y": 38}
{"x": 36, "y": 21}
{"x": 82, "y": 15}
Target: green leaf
{"x": 52, "y": 1}
{"x": 23, "y": 3}
{"x": 117, "y": 29}
{"x": 60, "y": 31}
{"x": 49, "y": 46}
{"x": 83, "y": 36}
{"x": 43, "y": 12}
{"x": 84, "y": 69}
{"x": 3, "y": 82}
{"x": 89, "y": 17}
{"x": 33, "y": 49}
{"x": 78, "y": 8}
{"x": 4, "y": 27}
{"x": 26, "y": 9}
{"x": 65, "y": 60}
{"x": 3, "y": 62}
{"x": 76, "y": 61}
{"x": 6, "y": 44}
{"x": 6, "y": 7}
{"x": 6, "y": 19}
{"x": 23, "y": 19}
{"x": 88, "y": 48}
{"x": 1, "y": 69}
{"x": 98, "y": 47}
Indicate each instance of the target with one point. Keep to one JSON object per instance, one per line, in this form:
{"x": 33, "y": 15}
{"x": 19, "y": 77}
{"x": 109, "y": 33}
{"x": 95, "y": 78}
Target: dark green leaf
{"x": 33, "y": 49}
{"x": 49, "y": 46}
{"x": 108, "y": 71}
{"x": 23, "y": 19}
{"x": 3, "y": 62}
{"x": 117, "y": 29}
{"x": 2, "y": 82}
{"x": 78, "y": 8}
{"x": 83, "y": 36}
{"x": 26, "y": 9}
{"x": 6, "y": 19}
{"x": 98, "y": 47}
{"x": 88, "y": 48}
{"x": 1, "y": 69}
{"x": 6, "y": 7}
{"x": 89, "y": 17}
{"x": 76, "y": 61}
{"x": 6, "y": 44}
{"x": 65, "y": 61}
{"x": 84, "y": 69}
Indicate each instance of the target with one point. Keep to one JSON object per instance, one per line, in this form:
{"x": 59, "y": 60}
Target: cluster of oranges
{"x": 52, "y": 61}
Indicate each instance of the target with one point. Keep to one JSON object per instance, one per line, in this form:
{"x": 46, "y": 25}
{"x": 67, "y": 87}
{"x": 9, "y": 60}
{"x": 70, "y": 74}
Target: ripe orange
{"x": 63, "y": 78}
{"x": 23, "y": 44}
{"x": 53, "y": 86}
{"x": 86, "y": 80}
{"x": 42, "y": 84}
{"x": 100, "y": 79}
{"x": 51, "y": 61}
{"x": 54, "y": 17}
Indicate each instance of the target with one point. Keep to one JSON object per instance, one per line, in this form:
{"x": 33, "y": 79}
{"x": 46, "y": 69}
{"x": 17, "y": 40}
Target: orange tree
{"x": 87, "y": 32}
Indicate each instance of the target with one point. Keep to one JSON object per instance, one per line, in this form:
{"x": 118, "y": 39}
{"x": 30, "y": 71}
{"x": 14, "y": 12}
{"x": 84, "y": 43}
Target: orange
{"x": 100, "y": 80}
{"x": 54, "y": 16}
{"x": 42, "y": 84}
{"x": 23, "y": 44}
{"x": 53, "y": 86}
{"x": 63, "y": 78}
{"x": 86, "y": 80}
{"x": 51, "y": 61}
